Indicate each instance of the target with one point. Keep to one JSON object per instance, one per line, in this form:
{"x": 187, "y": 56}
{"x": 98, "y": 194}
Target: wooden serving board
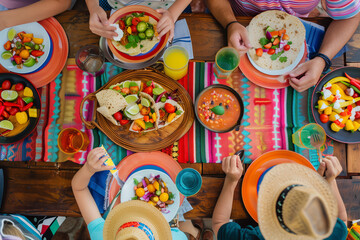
{"x": 148, "y": 141}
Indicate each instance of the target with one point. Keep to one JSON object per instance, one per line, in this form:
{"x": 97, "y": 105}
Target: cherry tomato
{"x": 355, "y": 95}
{"x": 6, "y": 85}
{"x": 145, "y": 111}
{"x": 357, "y": 115}
{"x": 2, "y": 118}
{"x": 123, "y": 121}
{"x": 121, "y": 24}
{"x": 287, "y": 47}
{"x": 162, "y": 113}
{"x": 133, "y": 29}
{"x": 324, "y": 118}
{"x": 169, "y": 108}
{"x": 134, "y": 89}
{"x": 259, "y": 52}
{"x": 271, "y": 51}
{"x": 135, "y": 21}
{"x": 118, "y": 116}
{"x": 19, "y": 87}
{"x": 357, "y": 103}
{"x": 148, "y": 90}
{"x": 125, "y": 90}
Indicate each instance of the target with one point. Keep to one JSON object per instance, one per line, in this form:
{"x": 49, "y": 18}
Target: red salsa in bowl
{"x": 219, "y": 108}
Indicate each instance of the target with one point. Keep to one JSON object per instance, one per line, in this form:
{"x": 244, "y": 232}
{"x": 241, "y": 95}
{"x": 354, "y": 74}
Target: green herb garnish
{"x": 171, "y": 196}
{"x": 148, "y": 83}
{"x": 289, "y": 42}
{"x": 136, "y": 182}
{"x": 275, "y": 56}
{"x": 138, "y": 14}
{"x": 178, "y": 112}
{"x": 263, "y": 41}
{"x": 127, "y": 46}
{"x": 283, "y": 59}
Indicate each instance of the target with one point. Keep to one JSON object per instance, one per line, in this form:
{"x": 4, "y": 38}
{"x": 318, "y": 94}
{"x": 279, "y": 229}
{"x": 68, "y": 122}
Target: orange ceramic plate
{"x": 262, "y": 79}
{"x": 58, "y": 58}
{"x": 136, "y": 160}
{"x": 257, "y": 167}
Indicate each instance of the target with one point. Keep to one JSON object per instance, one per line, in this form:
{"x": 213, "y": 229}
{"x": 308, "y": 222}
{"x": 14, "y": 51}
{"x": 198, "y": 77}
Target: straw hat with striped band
{"x": 295, "y": 202}
{"x": 136, "y": 220}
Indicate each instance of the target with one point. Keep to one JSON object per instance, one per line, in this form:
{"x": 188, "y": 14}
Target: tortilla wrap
{"x": 175, "y": 104}
{"x": 122, "y": 83}
{"x": 277, "y": 20}
{"x": 147, "y": 44}
{"x": 139, "y": 116}
{"x": 110, "y": 102}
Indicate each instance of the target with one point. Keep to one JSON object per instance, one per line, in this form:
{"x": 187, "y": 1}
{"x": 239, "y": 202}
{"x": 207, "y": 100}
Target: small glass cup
{"x": 188, "y": 182}
{"x": 90, "y": 59}
{"x": 176, "y": 60}
{"x": 301, "y": 137}
{"x": 72, "y": 140}
{"x": 227, "y": 59}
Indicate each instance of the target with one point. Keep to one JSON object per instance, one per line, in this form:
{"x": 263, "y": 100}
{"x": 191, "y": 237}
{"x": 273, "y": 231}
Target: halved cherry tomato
{"x": 285, "y": 37}
{"x": 7, "y": 45}
{"x": 145, "y": 111}
{"x": 324, "y": 118}
{"x": 148, "y": 90}
{"x": 118, "y": 116}
{"x": 19, "y": 87}
{"x": 133, "y": 29}
{"x": 282, "y": 31}
{"x": 20, "y": 34}
{"x": 355, "y": 95}
{"x": 287, "y": 47}
{"x": 121, "y": 24}
{"x": 271, "y": 51}
{"x": 274, "y": 33}
{"x": 123, "y": 121}
{"x": 269, "y": 45}
{"x": 146, "y": 118}
{"x": 136, "y": 128}
{"x": 259, "y": 52}
{"x": 134, "y": 89}
{"x": 125, "y": 90}
{"x": 37, "y": 53}
{"x": 26, "y": 39}
{"x": 17, "y": 59}
{"x": 169, "y": 108}
{"x": 276, "y": 41}
{"x": 135, "y": 21}
{"x": 6, "y": 85}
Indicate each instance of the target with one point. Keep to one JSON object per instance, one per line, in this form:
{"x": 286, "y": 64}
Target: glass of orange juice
{"x": 72, "y": 140}
{"x": 176, "y": 61}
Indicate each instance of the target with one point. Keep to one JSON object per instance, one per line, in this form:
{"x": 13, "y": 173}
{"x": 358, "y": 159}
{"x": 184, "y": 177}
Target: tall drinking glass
{"x": 90, "y": 59}
{"x": 227, "y": 60}
{"x": 176, "y": 61}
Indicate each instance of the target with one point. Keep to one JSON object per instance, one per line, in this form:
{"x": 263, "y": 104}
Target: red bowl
{"x": 144, "y": 57}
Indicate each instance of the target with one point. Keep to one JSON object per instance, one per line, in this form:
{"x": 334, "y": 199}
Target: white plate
{"x": 128, "y": 192}
{"x": 281, "y": 71}
{"x": 39, "y": 32}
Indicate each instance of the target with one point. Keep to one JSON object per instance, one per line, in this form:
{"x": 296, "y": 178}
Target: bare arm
{"x": 35, "y": 12}
{"x": 232, "y": 167}
{"x": 221, "y": 10}
{"x": 178, "y": 7}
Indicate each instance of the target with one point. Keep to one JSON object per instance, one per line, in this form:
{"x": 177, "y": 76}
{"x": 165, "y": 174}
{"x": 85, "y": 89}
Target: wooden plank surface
{"x": 340, "y": 152}
{"x": 350, "y": 192}
{"x": 353, "y": 54}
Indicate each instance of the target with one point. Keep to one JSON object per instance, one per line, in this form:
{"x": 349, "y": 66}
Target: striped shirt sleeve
{"x": 342, "y": 9}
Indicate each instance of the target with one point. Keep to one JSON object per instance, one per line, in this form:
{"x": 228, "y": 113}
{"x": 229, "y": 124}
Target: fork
{"x": 315, "y": 141}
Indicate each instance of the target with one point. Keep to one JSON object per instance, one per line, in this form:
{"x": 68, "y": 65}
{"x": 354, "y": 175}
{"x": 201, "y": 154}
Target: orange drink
{"x": 72, "y": 140}
{"x": 176, "y": 61}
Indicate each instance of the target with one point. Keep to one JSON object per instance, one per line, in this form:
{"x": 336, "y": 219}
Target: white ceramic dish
{"x": 39, "y": 32}
{"x": 127, "y": 192}
{"x": 281, "y": 71}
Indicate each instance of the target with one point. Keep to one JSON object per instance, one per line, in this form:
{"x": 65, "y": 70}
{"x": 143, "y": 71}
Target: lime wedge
{"x": 29, "y": 62}
{"x": 6, "y": 55}
{"x": 131, "y": 98}
{"x": 126, "y": 85}
{"x": 11, "y": 34}
{"x": 6, "y": 124}
{"x": 145, "y": 102}
{"x": 9, "y": 95}
{"x": 133, "y": 84}
{"x": 133, "y": 109}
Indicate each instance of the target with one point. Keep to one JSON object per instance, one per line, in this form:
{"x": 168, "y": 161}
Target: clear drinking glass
{"x": 227, "y": 59}
{"x": 72, "y": 140}
{"x": 90, "y": 59}
{"x": 176, "y": 60}
{"x": 301, "y": 137}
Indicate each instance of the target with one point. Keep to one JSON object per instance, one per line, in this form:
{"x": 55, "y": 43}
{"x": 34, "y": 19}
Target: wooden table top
{"x": 39, "y": 188}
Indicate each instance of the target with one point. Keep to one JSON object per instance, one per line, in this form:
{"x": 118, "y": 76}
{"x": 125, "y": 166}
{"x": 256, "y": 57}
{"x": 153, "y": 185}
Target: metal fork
{"x": 315, "y": 141}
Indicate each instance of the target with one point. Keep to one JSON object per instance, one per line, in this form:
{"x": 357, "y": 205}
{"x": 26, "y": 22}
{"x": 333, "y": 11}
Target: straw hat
{"x": 295, "y": 202}
{"x": 136, "y": 220}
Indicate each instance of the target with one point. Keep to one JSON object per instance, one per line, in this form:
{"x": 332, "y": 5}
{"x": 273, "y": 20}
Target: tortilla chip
{"x": 105, "y": 112}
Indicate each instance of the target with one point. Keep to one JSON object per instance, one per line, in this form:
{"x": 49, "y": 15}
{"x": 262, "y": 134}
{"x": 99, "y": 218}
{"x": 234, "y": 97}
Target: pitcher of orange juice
{"x": 176, "y": 61}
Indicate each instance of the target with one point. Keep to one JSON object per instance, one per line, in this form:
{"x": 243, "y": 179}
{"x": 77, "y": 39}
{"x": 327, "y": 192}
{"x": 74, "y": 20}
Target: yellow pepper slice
{"x": 349, "y": 125}
{"x": 338, "y": 79}
{"x": 171, "y": 117}
{"x": 356, "y": 125}
{"x": 28, "y": 92}
{"x": 33, "y": 113}
{"x": 21, "y": 117}
{"x": 154, "y": 116}
{"x": 347, "y": 103}
{"x": 38, "y": 40}
{"x": 335, "y": 88}
{"x": 328, "y": 110}
{"x": 141, "y": 123}
{"x": 335, "y": 127}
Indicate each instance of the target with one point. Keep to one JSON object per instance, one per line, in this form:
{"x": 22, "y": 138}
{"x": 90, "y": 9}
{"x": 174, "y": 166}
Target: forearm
{"x": 91, "y": 4}
{"x": 222, "y": 11}
{"x": 178, "y": 7}
{"x": 33, "y": 12}
{"x": 81, "y": 179}
{"x": 341, "y": 206}
{"x": 332, "y": 42}
{"x": 223, "y": 208}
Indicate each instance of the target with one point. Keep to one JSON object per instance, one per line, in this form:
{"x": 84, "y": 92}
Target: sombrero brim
{"x": 274, "y": 182}
{"x": 136, "y": 211}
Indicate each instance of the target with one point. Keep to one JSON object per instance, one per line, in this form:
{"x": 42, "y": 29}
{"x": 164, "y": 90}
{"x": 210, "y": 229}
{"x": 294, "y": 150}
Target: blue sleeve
{"x": 96, "y": 228}
{"x": 233, "y": 231}
{"x": 340, "y": 231}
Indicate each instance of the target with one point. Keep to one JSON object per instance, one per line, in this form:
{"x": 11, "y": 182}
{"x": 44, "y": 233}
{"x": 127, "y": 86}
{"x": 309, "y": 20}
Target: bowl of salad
{"x": 26, "y": 48}
{"x": 154, "y": 187}
{"x": 137, "y": 34}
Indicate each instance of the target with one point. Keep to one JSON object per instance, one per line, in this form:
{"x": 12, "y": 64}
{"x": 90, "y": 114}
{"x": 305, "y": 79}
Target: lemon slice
{"x": 9, "y": 95}
{"x": 11, "y": 34}
{"x": 6, "y": 124}
{"x": 133, "y": 109}
{"x": 131, "y": 98}
{"x": 145, "y": 102}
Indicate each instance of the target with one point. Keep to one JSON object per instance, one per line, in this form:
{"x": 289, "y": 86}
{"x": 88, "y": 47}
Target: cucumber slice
{"x": 269, "y": 29}
{"x": 142, "y": 36}
{"x": 149, "y": 33}
{"x": 141, "y": 27}
{"x": 128, "y": 21}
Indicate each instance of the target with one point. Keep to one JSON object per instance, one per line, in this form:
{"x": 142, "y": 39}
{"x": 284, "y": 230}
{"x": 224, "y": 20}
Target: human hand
{"x": 165, "y": 24}
{"x": 99, "y": 23}
{"x": 233, "y": 168}
{"x": 95, "y": 160}
{"x": 306, "y": 74}
{"x": 330, "y": 168}
{"x": 238, "y": 37}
